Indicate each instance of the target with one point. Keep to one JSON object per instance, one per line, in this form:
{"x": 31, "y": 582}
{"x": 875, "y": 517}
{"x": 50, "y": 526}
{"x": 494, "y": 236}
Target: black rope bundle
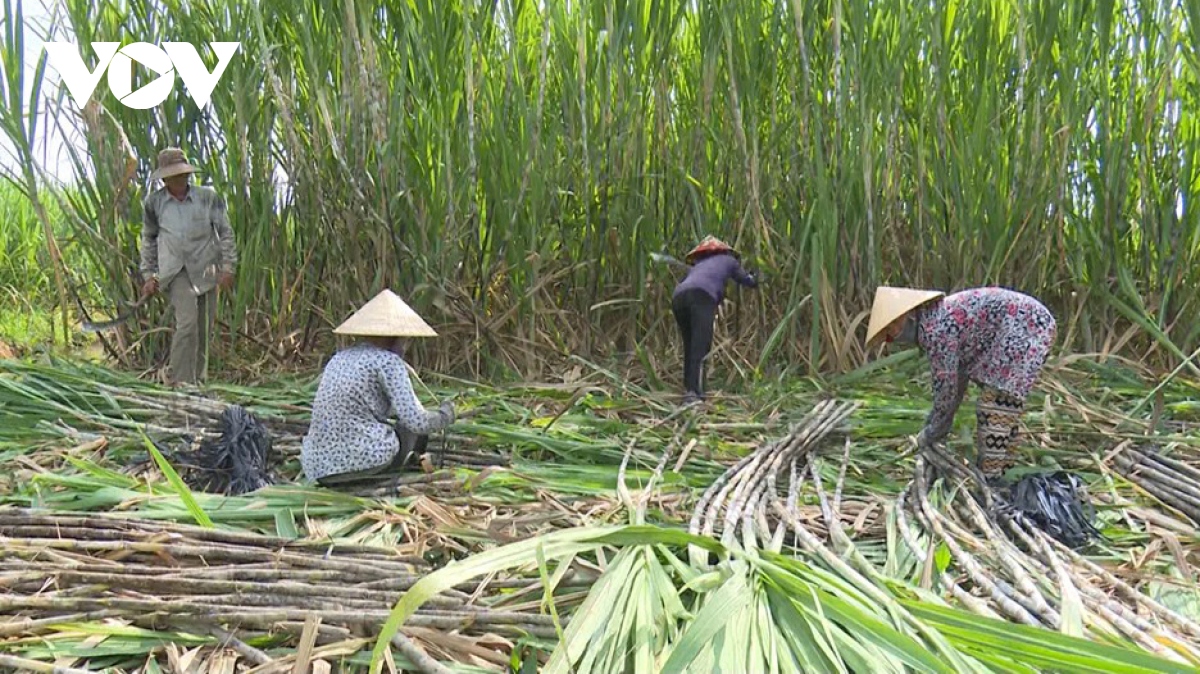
{"x": 235, "y": 462}
{"x": 1057, "y": 503}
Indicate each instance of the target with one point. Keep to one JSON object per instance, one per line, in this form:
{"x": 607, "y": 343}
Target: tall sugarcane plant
{"x": 508, "y": 165}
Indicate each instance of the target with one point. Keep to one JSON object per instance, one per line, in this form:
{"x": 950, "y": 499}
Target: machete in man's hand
{"x": 663, "y": 257}
{"x": 89, "y": 326}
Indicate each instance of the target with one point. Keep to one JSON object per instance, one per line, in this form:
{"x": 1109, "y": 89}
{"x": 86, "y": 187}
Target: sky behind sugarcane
{"x": 56, "y": 137}
{"x": 50, "y": 145}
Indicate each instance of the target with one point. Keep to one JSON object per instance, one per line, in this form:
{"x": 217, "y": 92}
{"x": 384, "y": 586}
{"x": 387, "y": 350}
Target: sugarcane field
{"x": 599, "y": 336}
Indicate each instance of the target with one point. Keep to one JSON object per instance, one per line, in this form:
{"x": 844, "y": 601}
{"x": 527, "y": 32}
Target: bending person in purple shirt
{"x": 695, "y": 303}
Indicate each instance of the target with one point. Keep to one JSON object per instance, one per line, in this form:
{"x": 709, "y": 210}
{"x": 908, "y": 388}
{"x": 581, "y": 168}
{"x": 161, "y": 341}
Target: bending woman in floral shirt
{"x": 995, "y": 337}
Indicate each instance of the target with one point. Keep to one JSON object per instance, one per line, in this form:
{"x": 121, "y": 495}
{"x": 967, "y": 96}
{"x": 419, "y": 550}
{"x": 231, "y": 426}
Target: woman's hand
{"x": 923, "y": 439}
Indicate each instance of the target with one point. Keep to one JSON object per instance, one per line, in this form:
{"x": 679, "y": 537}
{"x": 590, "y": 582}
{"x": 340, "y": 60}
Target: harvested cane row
{"x": 1171, "y": 481}
{"x": 236, "y": 453}
{"x": 117, "y": 412}
{"x": 746, "y": 492}
{"x": 1002, "y": 565}
{"x": 1007, "y": 567}
{"x": 55, "y": 568}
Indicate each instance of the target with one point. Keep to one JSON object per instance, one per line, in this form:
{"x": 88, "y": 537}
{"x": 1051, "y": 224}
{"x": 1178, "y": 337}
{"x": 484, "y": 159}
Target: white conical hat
{"x": 893, "y": 303}
{"x": 385, "y": 316}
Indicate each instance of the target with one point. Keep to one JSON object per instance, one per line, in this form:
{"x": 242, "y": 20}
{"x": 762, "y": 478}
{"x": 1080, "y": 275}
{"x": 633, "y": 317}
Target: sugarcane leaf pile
{"x": 591, "y": 532}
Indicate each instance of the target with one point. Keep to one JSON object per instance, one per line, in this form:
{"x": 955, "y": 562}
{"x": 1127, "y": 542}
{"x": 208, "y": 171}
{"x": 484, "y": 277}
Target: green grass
{"x": 25, "y": 284}
{"x": 28, "y": 302}
{"x": 23, "y": 261}
{"x": 24, "y": 326}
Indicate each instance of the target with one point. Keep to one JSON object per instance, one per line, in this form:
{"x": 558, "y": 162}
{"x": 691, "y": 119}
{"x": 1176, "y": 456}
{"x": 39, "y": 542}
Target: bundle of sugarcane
{"x": 65, "y": 568}
{"x": 1170, "y": 480}
{"x": 1000, "y": 565}
{"x": 1009, "y": 567}
{"x": 744, "y": 499}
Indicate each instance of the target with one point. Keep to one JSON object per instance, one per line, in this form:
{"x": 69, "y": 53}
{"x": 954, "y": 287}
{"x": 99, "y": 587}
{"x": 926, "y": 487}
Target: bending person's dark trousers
{"x": 695, "y": 311}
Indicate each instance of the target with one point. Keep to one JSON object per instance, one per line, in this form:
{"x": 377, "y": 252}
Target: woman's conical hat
{"x": 710, "y": 244}
{"x": 893, "y": 303}
{"x": 385, "y": 316}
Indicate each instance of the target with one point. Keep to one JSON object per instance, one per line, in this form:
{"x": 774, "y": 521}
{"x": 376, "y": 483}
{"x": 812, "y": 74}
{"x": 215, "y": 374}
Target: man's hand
{"x": 225, "y": 281}
{"x": 447, "y": 411}
{"x": 150, "y": 287}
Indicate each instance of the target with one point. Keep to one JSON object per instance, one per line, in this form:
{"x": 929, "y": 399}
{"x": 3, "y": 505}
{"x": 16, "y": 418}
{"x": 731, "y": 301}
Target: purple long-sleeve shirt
{"x": 711, "y": 273}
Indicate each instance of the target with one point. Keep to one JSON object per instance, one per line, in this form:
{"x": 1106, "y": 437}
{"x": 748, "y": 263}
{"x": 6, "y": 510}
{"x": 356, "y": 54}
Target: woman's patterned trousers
{"x": 997, "y": 417}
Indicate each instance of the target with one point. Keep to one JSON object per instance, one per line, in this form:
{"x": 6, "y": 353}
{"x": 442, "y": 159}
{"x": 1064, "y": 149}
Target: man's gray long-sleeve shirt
{"x": 192, "y": 234}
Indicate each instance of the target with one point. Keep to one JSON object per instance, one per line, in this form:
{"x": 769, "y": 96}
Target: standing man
{"x": 188, "y": 250}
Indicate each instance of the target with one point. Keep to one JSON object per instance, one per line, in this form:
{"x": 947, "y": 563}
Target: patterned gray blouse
{"x": 360, "y": 388}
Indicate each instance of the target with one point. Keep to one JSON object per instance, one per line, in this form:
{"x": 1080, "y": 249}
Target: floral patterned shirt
{"x": 992, "y": 336}
{"x": 360, "y": 388}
